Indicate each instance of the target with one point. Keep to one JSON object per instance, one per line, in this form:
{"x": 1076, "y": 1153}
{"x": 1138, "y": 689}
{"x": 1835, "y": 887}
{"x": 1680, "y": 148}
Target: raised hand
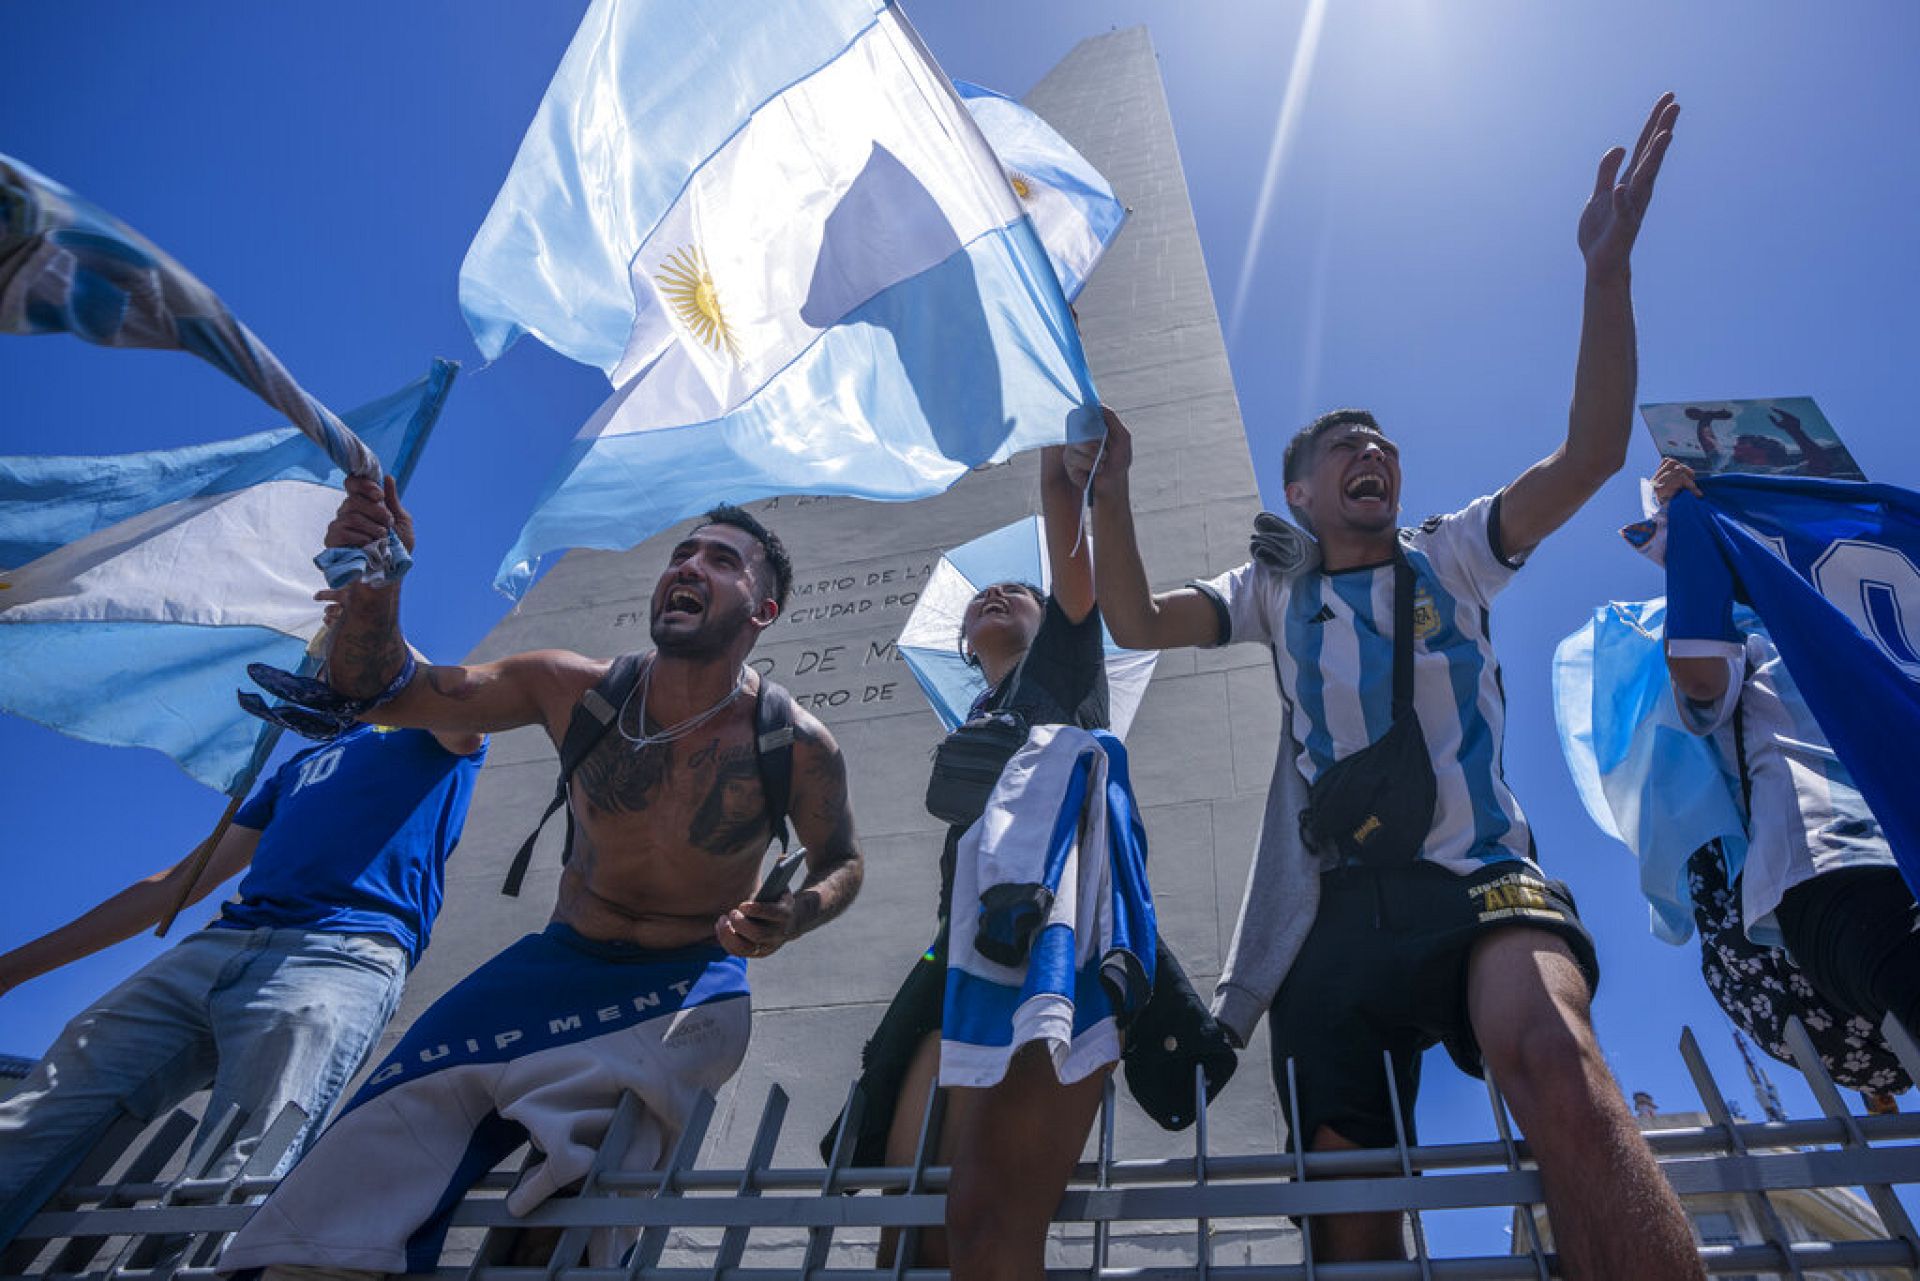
{"x": 1106, "y": 461}
{"x": 1672, "y": 477}
{"x": 1612, "y": 217}
{"x": 366, "y": 514}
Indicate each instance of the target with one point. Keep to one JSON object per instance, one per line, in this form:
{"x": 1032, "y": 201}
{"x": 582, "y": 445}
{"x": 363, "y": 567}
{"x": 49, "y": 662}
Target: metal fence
{"x": 759, "y": 1222}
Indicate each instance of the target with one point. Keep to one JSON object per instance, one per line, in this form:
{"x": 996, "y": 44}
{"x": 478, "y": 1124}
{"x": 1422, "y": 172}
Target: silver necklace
{"x": 672, "y": 732}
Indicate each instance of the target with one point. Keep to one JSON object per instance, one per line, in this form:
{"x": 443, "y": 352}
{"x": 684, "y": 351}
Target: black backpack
{"x": 595, "y": 714}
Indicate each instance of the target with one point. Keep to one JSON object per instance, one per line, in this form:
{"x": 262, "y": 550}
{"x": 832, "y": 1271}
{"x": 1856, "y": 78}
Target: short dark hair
{"x": 1022, "y": 584}
{"x": 1294, "y": 461}
{"x": 770, "y": 545}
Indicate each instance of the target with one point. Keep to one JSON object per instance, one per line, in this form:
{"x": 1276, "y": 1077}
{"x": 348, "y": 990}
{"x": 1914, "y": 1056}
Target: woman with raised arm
{"x": 1012, "y": 1145}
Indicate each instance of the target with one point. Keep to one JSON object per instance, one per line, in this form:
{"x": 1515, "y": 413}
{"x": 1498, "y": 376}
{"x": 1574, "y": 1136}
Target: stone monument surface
{"x": 1201, "y": 749}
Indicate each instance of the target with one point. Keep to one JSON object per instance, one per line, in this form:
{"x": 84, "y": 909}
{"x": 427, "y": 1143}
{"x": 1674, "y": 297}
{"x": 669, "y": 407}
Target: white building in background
{"x": 1811, "y": 1214}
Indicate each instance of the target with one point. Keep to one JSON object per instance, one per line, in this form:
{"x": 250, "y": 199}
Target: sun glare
{"x": 1299, "y": 77}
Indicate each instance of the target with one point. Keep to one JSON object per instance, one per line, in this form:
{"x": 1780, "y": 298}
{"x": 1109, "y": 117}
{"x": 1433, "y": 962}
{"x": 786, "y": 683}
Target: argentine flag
{"x": 1073, "y": 208}
{"x": 1644, "y": 779}
{"x": 783, "y": 236}
{"x": 143, "y": 584}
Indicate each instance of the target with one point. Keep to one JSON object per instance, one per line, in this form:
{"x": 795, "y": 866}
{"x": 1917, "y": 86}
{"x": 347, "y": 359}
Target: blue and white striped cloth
{"x": 783, "y": 236}
{"x": 1646, "y": 780}
{"x": 68, "y": 266}
{"x": 143, "y": 584}
{"x": 1062, "y": 818}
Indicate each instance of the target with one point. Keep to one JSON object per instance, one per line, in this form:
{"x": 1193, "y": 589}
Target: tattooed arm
{"x": 823, "y": 821}
{"x": 368, "y": 648}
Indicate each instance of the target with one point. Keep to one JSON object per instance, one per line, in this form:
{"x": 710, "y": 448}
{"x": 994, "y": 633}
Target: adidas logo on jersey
{"x": 1324, "y": 616}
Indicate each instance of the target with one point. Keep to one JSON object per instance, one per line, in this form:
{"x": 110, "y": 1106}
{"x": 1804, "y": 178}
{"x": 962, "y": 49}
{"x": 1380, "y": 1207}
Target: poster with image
{"x": 1783, "y": 436}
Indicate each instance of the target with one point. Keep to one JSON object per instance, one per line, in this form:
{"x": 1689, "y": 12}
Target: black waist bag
{"x": 967, "y": 764}
{"x": 1376, "y": 806}
{"x": 1171, "y": 1036}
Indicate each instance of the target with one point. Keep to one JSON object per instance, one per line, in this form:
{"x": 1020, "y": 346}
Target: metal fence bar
{"x": 145, "y": 1166}
{"x": 1893, "y": 1216}
{"x": 1901, "y": 1042}
{"x": 261, "y": 1163}
{"x": 1838, "y": 1150}
{"x": 612, "y": 1153}
{"x": 1202, "y": 1226}
{"x": 140, "y": 1252}
{"x": 1524, "y": 1210}
{"x": 1103, "y": 1173}
{"x": 1719, "y": 1260}
{"x": 907, "y": 1243}
{"x": 1240, "y": 1198}
{"x": 1406, "y": 1165}
{"x": 820, "y": 1239}
{"x": 1299, "y": 1165}
{"x": 1708, "y": 1089}
{"x": 733, "y": 1246}
{"x": 1676, "y": 1141}
{"x": 653, "y": 1241}
{"x": 113, "y": 1135}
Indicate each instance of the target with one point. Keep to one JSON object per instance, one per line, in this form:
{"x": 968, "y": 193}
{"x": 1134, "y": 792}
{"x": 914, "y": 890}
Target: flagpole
{"x": 428, "y": 414}
{"x": 201, "y": 857}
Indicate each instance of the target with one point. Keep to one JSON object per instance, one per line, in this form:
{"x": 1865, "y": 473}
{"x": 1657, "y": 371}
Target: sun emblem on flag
{"x": 1021, "y": 187}
{"x": 688, "y": 287}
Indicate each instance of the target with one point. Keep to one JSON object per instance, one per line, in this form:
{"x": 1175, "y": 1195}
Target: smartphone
{"x": 780, "y": 875}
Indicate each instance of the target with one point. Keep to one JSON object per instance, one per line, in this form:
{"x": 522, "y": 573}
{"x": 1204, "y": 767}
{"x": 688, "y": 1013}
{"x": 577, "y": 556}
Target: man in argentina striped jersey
{"x": 1426, "y": 917}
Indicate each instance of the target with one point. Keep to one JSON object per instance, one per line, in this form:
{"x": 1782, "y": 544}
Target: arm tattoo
{"x": 368, "y": 649}
{"x": 837, "y": 867}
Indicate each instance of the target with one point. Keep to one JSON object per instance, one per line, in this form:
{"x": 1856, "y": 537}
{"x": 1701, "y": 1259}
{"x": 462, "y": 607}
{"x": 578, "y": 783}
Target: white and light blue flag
{"x": 136, "y": 588}
{"x": 1072, "y": 205}
{"x": 783, "y": 236}
{"x": 1645, "y": 780}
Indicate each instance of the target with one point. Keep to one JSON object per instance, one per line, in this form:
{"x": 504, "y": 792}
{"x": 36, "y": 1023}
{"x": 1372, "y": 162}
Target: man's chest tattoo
{"x": 733, "y": 810}
{"x": 730, "y": 812}
{"x": 615, "y": 778}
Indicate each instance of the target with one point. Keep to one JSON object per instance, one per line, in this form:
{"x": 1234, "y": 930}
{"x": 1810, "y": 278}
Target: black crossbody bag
{"x": 967, "y": 762}
{"x": 1376, "y": 806}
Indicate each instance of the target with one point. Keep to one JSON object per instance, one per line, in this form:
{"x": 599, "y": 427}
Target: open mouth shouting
{"x": 684, "y": 601}
{"x": 1368, "y": 490}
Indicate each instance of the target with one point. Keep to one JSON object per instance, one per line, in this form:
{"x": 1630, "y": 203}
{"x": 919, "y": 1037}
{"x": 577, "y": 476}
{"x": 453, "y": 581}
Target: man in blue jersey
{"x": 1819, "y": 872}
{"x": 280, "y": 998}
{"x": 1433, "y": 923}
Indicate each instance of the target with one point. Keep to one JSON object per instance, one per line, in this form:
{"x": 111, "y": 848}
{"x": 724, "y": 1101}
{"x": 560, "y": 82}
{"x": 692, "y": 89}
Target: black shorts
{"x": 1856, "y": 933}
{"x": 1384, "y": 971}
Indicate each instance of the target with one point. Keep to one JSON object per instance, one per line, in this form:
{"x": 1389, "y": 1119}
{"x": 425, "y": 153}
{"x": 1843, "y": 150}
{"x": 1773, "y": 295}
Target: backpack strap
{"x": 1402, "y": 633}
{"x": 773, "y": 752}
{"x": 593, "y": 716}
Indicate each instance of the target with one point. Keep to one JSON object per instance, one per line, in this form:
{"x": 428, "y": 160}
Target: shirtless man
{"x": 637, "y": 983}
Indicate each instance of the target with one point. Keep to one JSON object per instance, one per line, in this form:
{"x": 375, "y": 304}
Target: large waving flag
{"x": 143, "y": 584}
{"x": 1073, "y": 208}
{"x": 68, "y": 266}
{"x": 784, "y": 237}
{"x": 1646, "y": 781}
{"x": 1832, "y": 567}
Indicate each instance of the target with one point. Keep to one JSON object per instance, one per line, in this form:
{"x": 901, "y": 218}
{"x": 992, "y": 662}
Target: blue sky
{"x": 323, "y": 167}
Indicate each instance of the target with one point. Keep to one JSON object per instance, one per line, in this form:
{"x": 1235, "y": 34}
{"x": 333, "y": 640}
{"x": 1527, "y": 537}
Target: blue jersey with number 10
{"x": 1833, "y": 569}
